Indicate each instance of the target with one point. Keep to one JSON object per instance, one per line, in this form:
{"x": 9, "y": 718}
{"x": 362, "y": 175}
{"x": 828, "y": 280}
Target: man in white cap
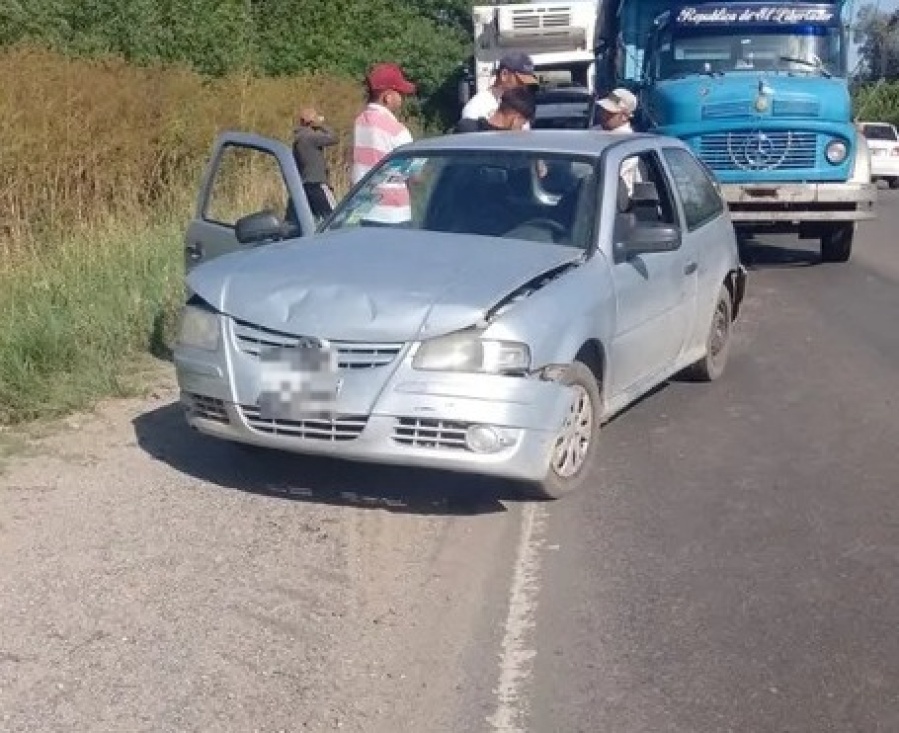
{"x": 616, "y": 110}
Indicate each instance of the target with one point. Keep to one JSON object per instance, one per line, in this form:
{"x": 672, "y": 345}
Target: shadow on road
{"x": 164, "y": 434}
{"x": 757, "y": 255}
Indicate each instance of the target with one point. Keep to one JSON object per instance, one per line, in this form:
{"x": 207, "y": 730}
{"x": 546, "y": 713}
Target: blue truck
{"x": 760, "y": 92}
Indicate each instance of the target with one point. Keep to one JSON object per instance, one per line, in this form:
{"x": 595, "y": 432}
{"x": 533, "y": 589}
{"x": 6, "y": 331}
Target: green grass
{"x": 76, "y": 320}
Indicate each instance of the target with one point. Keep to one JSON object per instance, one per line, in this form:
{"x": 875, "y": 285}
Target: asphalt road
{"x": 734, "y": 566}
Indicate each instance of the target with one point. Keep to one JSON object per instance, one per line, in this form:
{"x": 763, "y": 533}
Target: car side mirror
{"x": 263, "y": 226}
{"x": 649, "y": 238}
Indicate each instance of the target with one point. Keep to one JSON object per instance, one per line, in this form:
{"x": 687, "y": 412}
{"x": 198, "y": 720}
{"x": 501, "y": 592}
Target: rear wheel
{"x": 894, "y": 183}
{"x": 576, "y": 444}
{"x": 836, "y": 243}
{"x": 711, "y": 366}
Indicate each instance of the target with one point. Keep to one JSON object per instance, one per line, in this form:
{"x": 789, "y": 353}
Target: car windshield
{"x": 512, "y": 194}
{"x": 880, "y": 132}
{"x": 811, "y": 50}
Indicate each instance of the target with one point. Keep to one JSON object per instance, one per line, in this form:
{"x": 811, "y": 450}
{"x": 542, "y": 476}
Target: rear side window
{"x": 696, "y": 188}
{"x": 880, "y": 132}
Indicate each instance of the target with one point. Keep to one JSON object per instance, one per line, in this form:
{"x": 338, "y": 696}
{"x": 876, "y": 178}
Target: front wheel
{"x": 576, "y": 443}
{"x": 836, "y": 243}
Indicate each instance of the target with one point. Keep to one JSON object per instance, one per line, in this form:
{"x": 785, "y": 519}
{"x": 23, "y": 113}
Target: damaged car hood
{"x": 373, "y": 284}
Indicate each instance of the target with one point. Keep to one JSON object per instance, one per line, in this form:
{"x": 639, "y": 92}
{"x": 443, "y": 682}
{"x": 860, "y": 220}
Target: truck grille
{"x": 723, "y": 110}
{"x": 758, "y": 150}
{"x": 340, "y": 429}
{"x": 796, "y": 108}
{"x": 251, "y": 340}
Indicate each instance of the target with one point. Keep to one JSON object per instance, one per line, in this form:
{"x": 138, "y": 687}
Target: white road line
{"x": 517, "y": 652}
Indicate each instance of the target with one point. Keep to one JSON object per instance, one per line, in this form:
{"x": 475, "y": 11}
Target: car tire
{"x": 571, "y": 458}
{"x": 836, "y": 243}
{"x": 711, "y": 366}
{"x": 894, "y": 183}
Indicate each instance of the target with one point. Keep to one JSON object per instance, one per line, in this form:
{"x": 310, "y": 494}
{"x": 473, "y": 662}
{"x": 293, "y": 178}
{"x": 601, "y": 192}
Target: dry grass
{"x": 98, "y": 171}
{"x": 87, "y": 143}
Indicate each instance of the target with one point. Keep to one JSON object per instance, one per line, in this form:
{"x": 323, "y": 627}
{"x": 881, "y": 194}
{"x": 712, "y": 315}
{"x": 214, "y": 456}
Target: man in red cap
{"x": 377, "y": 131}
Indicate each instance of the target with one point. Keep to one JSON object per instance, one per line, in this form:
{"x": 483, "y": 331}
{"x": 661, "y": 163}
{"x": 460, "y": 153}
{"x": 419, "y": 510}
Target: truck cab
{"x": 759, "y": 92}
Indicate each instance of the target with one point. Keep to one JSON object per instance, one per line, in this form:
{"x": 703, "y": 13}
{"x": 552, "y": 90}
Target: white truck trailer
{"x": 560, "y": 36}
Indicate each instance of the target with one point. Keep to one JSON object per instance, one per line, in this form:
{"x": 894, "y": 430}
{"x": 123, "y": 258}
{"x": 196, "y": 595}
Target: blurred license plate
{"x": 298, "y": 383}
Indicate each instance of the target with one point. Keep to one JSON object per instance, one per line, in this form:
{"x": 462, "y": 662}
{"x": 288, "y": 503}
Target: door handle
{"x": 690, "y": 268}
{"x": 194, "y": 251}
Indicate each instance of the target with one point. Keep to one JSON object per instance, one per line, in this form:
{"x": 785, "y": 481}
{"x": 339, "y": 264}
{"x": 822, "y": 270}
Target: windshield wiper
{"x": 805, "y": 62}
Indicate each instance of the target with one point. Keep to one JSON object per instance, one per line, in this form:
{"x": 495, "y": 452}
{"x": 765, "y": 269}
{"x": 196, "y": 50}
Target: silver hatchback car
{"x": 478, "y": 303}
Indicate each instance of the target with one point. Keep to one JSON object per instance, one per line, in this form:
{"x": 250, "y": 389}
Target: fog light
{"x": 483, "y": 439}
{"x": 836, "y": 152}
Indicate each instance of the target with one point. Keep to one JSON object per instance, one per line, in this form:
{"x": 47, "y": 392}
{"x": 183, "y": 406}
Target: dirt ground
{"x": 152, "y": 579}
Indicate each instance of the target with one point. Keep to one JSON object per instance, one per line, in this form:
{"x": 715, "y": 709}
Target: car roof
{"x": 589, "y": 143}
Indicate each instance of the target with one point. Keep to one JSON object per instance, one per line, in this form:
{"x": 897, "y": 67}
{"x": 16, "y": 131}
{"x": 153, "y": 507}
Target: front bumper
{"x": 800, "y": 202}
{"x": 417, "y": 420}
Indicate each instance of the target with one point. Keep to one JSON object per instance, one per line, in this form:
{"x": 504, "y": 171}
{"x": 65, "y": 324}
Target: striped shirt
{"x": 376, "y": 133}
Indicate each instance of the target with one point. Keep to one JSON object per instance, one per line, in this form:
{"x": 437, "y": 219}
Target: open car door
{"x": 247, "y": 174}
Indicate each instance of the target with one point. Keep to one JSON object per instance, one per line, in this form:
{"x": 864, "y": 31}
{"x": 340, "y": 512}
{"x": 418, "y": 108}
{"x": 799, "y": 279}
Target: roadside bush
{"x": 877, "y": 102}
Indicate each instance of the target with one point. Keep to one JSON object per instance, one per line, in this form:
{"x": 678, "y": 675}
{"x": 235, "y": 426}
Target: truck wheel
{"x": 836, "y": 243}
{"x": 711, "y": 366}
{"x": 576, "y": 444}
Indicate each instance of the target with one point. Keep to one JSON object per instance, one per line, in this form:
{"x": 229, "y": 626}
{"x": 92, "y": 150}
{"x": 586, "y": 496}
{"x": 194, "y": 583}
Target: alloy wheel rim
{"x": 573, "y": 443}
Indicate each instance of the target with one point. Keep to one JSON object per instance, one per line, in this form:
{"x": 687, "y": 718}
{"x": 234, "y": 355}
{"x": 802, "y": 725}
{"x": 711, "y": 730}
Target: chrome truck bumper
{"x": 800, "y": 203}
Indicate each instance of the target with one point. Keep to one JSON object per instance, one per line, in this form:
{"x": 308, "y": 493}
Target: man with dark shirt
{"x": 311, "y": 137}
{"x": 516, "y": 109}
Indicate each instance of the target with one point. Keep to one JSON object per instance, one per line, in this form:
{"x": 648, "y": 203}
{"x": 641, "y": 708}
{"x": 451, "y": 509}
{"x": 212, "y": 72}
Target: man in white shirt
{"x": 513, "y": 70}
{"x": 617, "y": 110}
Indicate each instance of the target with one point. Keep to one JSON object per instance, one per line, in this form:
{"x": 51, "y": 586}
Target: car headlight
{"x": 198, "y": 328}
{"x": 836, "y": 151}
{"x": 467, "y": 352}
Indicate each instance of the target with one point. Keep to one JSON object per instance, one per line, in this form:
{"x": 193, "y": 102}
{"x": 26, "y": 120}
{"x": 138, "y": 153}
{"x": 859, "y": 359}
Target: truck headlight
{"x": 836, "y": 151}
{"x": 198, "y": 328}
{"x": 467, "y": 352}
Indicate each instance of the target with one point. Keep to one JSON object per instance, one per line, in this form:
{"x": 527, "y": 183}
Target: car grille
{"x": 340, "y": 429}
{"x": 252, "y": 339}
{"x": 423, "y": 433}
{"x": 758, "y": 150}
{"x": 206, "y": 408}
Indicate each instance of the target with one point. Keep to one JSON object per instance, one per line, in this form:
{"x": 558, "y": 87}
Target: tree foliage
{"x": 877, "y": 34}
{"x": 430, "y": 38}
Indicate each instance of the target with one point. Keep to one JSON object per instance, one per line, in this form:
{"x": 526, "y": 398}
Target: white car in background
{"x": 883, "y": 142}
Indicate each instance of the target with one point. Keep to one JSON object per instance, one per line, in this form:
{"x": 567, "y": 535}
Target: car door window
{"x": 636, "y": 204}
{"x": 247, "y": 180}
{"x": 698, "y": 191}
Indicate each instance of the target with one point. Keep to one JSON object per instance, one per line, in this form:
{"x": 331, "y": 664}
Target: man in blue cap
{"x": 513, "y": 70}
